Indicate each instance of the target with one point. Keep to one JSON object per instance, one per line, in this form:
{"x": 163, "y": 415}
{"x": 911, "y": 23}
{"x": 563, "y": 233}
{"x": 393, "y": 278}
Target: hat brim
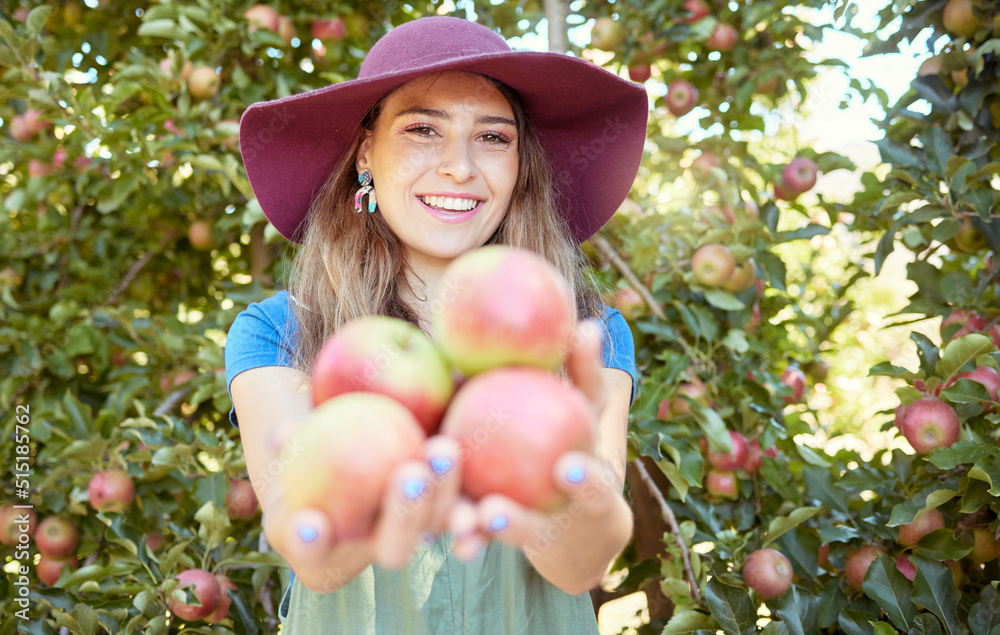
{"x": 591, "y": 123}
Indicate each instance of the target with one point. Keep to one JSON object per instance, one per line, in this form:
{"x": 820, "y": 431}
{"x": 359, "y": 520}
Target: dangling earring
{"x": 365, "y": 179}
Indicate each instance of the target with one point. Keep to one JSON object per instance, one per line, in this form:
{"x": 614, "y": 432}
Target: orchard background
{"x": 130, "y": 240}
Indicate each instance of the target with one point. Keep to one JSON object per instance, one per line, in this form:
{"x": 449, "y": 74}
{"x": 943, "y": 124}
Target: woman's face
{"x": 444, "y": 160}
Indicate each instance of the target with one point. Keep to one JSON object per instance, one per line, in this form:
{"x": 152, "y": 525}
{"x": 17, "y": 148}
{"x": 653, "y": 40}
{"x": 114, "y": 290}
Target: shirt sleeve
{"x": 619, "y": 347}
{"x": 258, "y": 337}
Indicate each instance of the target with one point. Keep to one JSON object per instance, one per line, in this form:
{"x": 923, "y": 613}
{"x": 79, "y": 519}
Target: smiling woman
{"x": 448, "y": 141}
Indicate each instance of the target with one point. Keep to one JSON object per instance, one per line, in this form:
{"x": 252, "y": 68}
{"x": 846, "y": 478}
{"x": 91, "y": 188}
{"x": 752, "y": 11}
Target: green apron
{"x": 437, "y": 594}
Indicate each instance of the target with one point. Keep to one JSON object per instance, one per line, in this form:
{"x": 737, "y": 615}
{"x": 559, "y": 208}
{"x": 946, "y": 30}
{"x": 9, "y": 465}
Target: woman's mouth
{"x": 451, "y": 209}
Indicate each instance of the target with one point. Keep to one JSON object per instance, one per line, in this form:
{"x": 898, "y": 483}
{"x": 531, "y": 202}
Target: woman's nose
{"x": 456, "y": 160}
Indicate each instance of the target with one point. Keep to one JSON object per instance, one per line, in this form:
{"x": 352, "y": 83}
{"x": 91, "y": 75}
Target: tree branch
{"x": 671, "y": 520}
{"x": 609, "y": 254}
{"x": 137, "y": 266}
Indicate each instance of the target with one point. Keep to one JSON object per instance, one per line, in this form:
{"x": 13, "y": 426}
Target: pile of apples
{"x": 504, "y": 322}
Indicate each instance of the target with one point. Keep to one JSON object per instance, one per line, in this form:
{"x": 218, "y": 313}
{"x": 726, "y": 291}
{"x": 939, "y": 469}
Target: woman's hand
{"x": 416, "y": 503}
{"x": 572, "y": 546}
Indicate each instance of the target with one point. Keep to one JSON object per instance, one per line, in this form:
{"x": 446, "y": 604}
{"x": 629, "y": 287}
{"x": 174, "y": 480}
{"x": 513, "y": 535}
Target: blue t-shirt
{"x": 260, "y": 336}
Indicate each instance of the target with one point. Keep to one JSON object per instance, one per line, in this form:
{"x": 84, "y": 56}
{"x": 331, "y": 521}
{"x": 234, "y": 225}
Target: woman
{"x": 447, "y": 141}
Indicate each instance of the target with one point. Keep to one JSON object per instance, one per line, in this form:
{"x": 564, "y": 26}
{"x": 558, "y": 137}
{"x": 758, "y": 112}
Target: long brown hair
{"x": 351, "y": 265}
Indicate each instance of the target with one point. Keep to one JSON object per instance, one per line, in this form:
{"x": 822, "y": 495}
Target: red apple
{"x": 693, "y": 390}
{"x": 26, "y": 125}
{"x": 205, "y": 588}
{"x": 663, "y": 410}
{"x": 335, "y": 29}
{"x": 930, "y": 66}
{"x": 697, "y": 9}
{"x": 930, "y": 423}
{"x": 986, "y": 376}
{"x": 970, "y": 321}
{"x": 957, "y": 575}
{"x": 796, "y": 380}
{"x": 723, "y": 37}
{"x": 15, "y": 523}
{"x": 724, "y": 212}
{"x": 911, "y": 533}
{"x": 799, "y": 176}
{"x": 241, "y": 500}
{"x": 513, "y": 424}
{"x": 387, "y": 356}
{"x": 629, "y": 302}
{"x": 734, "y": 459}
{"x": 111, "y": 491}
{"x": 286, "y": 29}
{"x": 203, "y": 82}
{"x": 340, "y": 460}
{"x": 899, "y": 414}
{"x": 221, "y": 611}
{"x": 682, "y": 97}
{"x": 755, "y": 457}
{"x": 721, "y": 484}
{"x": 155, "y": 540}
{"x": 261, "y": 16}
{"x": 701, "y": 167}
{"x": 960, "y": 17}
{"x": 783, "y": 194}
{"x": 743, "y": 277}
{"x": 640, "y": 72}
{"x": 713, "y": 264}
{"x": 200, "y": 235}
{"x": 59, "y": 158}
{"x": 501, "y": 306}
{"x": 49, "y": 569}
{"x": 56, "y": 537}
{"x": 985, "y": 546}
{"x": 768, "y": 572}
{"x": 38, "y": 169}
{"x": 607, "y": 34}
{"x": 823, "y": 557}
{"x": 968, "y": 238}
{"x": 857, "y": 561}
{"x": 905, "y": 566}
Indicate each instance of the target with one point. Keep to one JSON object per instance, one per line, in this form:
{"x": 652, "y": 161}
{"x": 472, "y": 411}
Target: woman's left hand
{"x": 595, "y": 512}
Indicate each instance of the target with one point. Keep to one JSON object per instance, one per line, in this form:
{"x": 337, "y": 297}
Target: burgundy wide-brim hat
{"x": 591, "y": 122}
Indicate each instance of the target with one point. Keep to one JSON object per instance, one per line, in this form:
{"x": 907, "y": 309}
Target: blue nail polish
{"x": 441, "y": 465}
{"x": 412, "y": 489}
{"x": 307, "y": 534}
{"x": 498, "y": 523}
{"x": 576, "y": 474}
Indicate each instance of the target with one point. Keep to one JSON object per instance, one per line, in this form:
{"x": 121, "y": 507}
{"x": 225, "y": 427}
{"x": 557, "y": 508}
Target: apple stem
{"x": 671, "y": 520}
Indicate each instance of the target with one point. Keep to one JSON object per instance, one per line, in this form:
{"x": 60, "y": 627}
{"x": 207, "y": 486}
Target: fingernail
{"x": 499, "y": 523}
{"x": 307, "y": 534}
{"x": 413, "y": 488}
{"x": 576, "y": 474}
{"x": 441, "y": 465}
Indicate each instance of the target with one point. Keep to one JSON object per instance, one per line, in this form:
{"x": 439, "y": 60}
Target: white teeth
{"x": 450, "y": 203}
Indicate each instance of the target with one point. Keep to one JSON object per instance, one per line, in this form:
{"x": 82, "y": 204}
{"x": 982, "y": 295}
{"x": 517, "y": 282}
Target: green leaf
{"x": 940, "y": 544}
{"x": 961, "y": 351}
{"x": 809, "y": 231}
{"x": 987, "y": 469}
{"x": 781, "y": 524}
{"x": 854, "y": 622}
{"x": 214, "y": 524}
{"x": 731, "y": 606}
{"x": 798, "y": 611}
{"x": 831, "y": 601}
{"x": 86, "y": 617}
{"x": 777, "y": 476}
{"x": 736, "y": 341}
{"x": 724, "y": 300}
{"x": 925, "y": 624}
{"x": 966, "y": 391}
{"x": 984, "y": 616}
{"x": 890, "y": 590}
{"x": 37, "y": 19}
{"x": 948, "y": 459}
{"x": 881, "y": 628}
{"x": 212, "y": 488}
{"x": 820, "y": 486}
{"x": 934, "y": 589}
{"x": 714, "y": 427}
{"x": 689, "y": 621}
{"x": 898, "y": 154}
{"x": 162, "y": 28}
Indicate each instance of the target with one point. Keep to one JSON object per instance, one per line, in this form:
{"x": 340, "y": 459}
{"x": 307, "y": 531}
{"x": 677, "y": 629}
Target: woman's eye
{"x": 496, "y": 137}
{"x": 421, "y": 129}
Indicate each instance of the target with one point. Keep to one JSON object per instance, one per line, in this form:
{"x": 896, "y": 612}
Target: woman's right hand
{"x": 271, "y": 403}
{"x": 415, "y": 504}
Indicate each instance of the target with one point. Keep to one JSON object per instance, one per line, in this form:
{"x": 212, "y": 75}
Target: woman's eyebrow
{"x": 440, "y": 114}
